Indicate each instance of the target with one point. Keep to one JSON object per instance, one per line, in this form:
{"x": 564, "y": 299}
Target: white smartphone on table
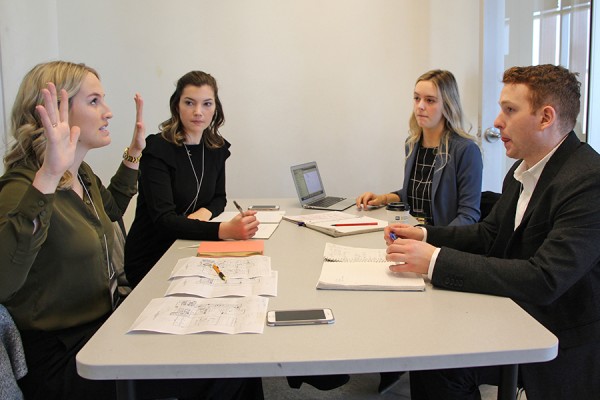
{"x": 300, "y": 317}
{"x": 264, "y": 207}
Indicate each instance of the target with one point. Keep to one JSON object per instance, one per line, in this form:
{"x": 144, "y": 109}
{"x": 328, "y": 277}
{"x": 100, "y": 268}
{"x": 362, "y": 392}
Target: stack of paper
{"x": 367, "y": 276}
{"x": 247, "y": 276}
{"x": 214, "y": 279}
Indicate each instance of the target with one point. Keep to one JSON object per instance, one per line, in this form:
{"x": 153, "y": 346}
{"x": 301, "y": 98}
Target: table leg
{"x": 507, "y": 390}
{"x": 126, "y": 390}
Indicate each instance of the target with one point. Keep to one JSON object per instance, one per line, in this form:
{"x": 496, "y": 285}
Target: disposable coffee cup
{"x": 398, "y": 212}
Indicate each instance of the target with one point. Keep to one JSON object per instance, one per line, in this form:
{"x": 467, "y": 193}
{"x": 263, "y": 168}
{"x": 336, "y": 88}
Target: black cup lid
{"x": 398, "y": 206}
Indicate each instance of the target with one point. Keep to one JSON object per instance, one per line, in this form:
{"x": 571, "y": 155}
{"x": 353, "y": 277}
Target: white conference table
{"x": 374, "y": 331}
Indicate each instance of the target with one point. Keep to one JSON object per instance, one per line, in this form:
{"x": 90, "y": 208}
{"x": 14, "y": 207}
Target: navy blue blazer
{"x": 456, "y": 187}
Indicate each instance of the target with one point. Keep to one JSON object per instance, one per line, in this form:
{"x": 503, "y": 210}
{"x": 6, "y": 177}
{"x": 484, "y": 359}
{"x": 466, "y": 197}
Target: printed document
{"x": 216, "y": 287}
{"x": 231, "y": 267}
{"x": 185, "y": 315}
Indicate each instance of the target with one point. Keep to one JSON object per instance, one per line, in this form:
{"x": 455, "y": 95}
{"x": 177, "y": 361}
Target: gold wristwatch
{"x": 129, "y": 157}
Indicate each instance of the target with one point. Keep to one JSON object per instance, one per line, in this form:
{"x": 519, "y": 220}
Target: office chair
{"x": 488, "y": 199}
{"x": 118, "y": 258}
{"x": 12, "y": 357}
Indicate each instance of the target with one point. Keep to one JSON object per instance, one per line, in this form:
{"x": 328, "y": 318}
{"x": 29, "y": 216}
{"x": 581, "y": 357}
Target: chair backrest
{"x": 118, "y": 258}
{"x": 12, "y": 357}
{"x": 488, "y": 199}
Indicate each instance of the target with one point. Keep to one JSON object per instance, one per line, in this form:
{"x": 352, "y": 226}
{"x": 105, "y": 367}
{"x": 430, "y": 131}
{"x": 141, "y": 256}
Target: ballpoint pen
{"x": 239, "y": 208}
{"x": 218, "y": 271}
{"x": 393, "y": 236}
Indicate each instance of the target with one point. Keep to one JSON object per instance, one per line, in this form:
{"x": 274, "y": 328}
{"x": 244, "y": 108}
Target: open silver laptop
{"x": 311, "y": 192}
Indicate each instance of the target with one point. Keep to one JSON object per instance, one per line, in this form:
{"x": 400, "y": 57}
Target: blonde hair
{"x": 452, "y": 112}
{"x": 26, "y": 127}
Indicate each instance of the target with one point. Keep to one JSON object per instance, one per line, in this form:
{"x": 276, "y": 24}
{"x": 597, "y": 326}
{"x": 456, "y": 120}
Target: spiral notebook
{"x": 367, "y": 276}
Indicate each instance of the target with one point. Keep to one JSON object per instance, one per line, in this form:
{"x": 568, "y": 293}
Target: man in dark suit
{"x": 540, "y": 245}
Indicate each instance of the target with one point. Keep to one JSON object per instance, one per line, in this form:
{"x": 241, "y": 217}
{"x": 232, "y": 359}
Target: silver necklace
{"x": 192, "y": 205}
{"x": 112, "y": 282}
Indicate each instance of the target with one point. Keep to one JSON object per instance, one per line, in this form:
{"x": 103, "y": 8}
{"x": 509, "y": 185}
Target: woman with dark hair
{"x": 182, "y": 179}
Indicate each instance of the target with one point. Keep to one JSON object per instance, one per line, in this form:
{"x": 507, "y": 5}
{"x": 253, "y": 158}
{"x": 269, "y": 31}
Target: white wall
{"x": 300, "y": 80}
{"x": 28, "y": 36}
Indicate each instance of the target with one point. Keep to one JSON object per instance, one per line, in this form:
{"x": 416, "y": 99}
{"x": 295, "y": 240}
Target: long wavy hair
{"x": 452, "y": 112}
{"x": 172, "y": 129}
{"x": 26, "y": 127}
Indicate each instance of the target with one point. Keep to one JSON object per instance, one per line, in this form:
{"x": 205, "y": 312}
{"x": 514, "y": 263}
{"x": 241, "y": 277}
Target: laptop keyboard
{"x": 327, "y": 201}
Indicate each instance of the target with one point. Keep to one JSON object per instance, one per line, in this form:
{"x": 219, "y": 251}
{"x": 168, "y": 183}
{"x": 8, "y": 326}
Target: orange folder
{"x": 231, "y": 248}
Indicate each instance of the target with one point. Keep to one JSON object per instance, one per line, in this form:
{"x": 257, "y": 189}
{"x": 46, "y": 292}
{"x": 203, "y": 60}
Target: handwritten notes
{"x": 336, "y": 252}
{"x": 357, "y": 268}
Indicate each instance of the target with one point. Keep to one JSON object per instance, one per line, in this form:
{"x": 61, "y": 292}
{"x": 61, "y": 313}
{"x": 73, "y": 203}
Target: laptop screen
{"x": 307, "y": 181}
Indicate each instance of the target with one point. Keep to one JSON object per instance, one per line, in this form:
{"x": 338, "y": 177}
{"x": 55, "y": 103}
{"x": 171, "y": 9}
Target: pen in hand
{"x": 239, "y": 208}
{"x": 218, "y": 271}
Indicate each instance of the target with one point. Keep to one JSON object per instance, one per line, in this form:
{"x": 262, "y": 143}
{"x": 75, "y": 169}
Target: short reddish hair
{"x": 551, "y": 85}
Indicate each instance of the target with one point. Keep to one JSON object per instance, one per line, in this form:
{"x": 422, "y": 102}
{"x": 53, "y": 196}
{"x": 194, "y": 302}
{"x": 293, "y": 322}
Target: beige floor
{"x": 363, "y": 387}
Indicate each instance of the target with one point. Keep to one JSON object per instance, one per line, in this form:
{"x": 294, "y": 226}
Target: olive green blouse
{"x": 58, "y": 277}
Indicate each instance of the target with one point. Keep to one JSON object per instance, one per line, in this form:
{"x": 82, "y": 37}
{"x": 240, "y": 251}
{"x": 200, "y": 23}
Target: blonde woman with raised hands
{"x": 58, "y": 282}
{"x": 56, "y": 230}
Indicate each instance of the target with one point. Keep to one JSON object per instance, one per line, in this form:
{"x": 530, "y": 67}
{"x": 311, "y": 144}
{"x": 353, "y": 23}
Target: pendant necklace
{"x": 110, "y": 270}
{"x": 192, "y": 205}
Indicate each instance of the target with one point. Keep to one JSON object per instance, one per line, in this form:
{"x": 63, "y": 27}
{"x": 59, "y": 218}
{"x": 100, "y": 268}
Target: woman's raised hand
{"x": 138, "y": 141}
{"x": 61, "y": 139}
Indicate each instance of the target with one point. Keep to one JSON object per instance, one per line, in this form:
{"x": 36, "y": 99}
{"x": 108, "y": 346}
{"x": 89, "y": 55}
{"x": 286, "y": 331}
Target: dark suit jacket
{"x": 550, "y": 265}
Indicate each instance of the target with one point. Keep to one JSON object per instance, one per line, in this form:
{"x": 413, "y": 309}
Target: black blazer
{"x": 550, "y": 264}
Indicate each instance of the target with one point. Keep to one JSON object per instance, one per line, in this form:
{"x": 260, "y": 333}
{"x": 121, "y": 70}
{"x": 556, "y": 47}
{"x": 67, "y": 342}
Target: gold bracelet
{"x": 129, "y": 157}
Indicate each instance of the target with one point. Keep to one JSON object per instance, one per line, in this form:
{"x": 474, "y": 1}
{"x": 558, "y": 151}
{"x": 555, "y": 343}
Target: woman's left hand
{"x": 202, "y": 214}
